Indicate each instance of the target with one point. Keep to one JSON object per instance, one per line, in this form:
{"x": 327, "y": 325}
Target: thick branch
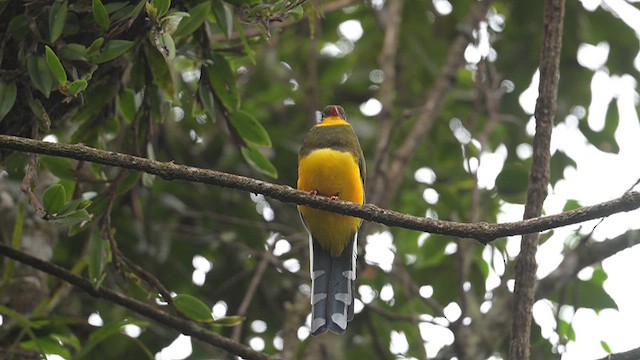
{"x": 184, "y": 326}
{"x": 483, "y": 232}
{"x": 525, "y": 271}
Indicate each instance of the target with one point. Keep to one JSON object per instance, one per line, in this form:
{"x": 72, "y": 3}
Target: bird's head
{"x": 334, "y": 111}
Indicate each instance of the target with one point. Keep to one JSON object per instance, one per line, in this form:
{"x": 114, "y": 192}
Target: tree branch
{"x": 584, "y": 255}
{"x": 481, "y": 231}
{"x": 525, "y": 271}
{"x": 184, "y": 326}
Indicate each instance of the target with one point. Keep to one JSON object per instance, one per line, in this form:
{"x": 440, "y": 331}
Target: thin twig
{"x": 184, "y": 326}
{"x": 251, "y": 290}
{"x": 28, "y": 182}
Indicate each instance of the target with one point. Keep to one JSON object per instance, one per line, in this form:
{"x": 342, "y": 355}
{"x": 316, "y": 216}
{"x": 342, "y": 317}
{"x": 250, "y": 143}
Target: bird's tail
{"x": 332, "y": 288}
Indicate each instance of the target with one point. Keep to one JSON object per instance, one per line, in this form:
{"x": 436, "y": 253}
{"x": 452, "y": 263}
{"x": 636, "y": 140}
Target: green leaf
{"x": 18, "y": 27}
{"x": 512, "y": 183}
{"x": 259, "y": 162}
{"x": 127, "y": 105}
{"x": 40, "y": 74}
{"x": 604, "y": 139}
{"x": 566, "y": 331}
{"x": 96, "y": 258}
{"x": 41, "y": 114}
{"x": 48, "y": 345}
{"x": 571, "y": 204}
{"x": 152, "y": 11}
{"x": 105, "y": 332}
{"x": 297, "y": 12}
{"x": 250, "y": 129}
{"x": 114, "y": 7}
{"x": 605, "y": 346}
{"x": 77, "y": 86}
{"x": 134, "y": 13}
{"x": 95, "y": 99}
{"x": 100, "y": 13}
{"x": 223, "y": 82}
{"x": 228, "y": 321}
{"x": 57, "y": 18}
{"x": 160, "y": 70}
{"x": 248, "y": 50}
{"x": 192, "y": 307}
{"x": 22, "y": 320}
{"x": 112, "y": 49}
{"x": 559, "y": 162}
{"x": 72, "y": 205}
{"x": 599, "y": 276}
{"x": 62, "y": 168}
{"x": 129, "y": 182}
{"x": 172, "y": 20}
{"x": 161, "y": 6}
{"x": 206, "y": 99}
{"x": 69, "y": 187}
{"x": 8, "y": 92}
{"x": 71, "y": 218}
{"x": 73, "y": 52}
{"x": 54, "y": 198}
{"x": 223, "y": 17}
{"x": 168, "y": 46}
{"x": 95, "y": 46}
{"x": 25, "y": 323}
{"x": 587, "y": 294}
{"x": 68, "y": 339}
{"x": 198, "y": 15}
{"x": 55, "y": 65}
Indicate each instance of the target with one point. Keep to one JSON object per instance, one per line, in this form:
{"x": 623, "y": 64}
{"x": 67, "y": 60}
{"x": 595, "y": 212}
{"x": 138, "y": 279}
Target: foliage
{"x": 233, "y": 86}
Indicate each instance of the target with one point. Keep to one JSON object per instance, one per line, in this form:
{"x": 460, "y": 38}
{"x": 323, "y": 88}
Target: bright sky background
{"x": 598, "y": 177}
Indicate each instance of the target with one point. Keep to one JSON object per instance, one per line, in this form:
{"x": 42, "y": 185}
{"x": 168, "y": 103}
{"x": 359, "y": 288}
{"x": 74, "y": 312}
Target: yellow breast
{"x": 331, "y": 173}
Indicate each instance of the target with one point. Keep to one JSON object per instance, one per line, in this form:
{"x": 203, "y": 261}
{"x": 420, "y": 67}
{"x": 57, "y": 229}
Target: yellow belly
{"x": 331, "y": 172}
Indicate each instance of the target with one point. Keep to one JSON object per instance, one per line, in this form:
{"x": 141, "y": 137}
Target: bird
{"x": 331, "y": 164}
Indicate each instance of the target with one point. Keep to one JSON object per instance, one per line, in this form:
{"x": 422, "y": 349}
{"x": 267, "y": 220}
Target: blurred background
{"x": 441, "y": 95}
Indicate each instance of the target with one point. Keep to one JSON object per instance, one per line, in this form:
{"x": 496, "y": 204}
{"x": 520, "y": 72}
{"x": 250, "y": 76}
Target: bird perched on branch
{"x": 331, "y": 164}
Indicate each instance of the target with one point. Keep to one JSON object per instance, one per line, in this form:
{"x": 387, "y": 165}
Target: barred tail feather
{"x": 333, "y": 288}
{"x": 320, "y": 268}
